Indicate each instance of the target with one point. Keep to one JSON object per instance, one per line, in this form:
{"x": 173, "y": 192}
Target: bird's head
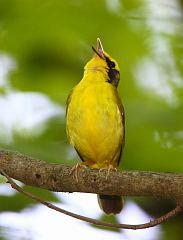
{"x": 104, "y": 63}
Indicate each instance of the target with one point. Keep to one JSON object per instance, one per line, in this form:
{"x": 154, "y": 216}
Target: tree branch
{"x": 57, "y": 177}
{"x": 152, "y": 223}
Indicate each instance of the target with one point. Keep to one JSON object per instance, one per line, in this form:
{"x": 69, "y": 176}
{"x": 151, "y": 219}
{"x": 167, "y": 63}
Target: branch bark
{"x": 57, "y": 177}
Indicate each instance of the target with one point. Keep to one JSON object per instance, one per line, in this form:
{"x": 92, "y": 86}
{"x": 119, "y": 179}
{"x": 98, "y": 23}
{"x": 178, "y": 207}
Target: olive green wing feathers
{"x": 122, "y": 111}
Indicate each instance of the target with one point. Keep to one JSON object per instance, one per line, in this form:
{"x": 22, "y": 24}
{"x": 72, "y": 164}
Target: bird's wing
{"x": 122, "y": 111}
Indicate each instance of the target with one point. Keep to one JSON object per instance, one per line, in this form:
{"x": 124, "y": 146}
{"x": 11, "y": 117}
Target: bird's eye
{"x": 112, "y": 64}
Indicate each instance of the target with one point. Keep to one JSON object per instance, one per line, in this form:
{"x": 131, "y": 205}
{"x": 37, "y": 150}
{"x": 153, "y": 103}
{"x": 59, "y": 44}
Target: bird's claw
{"x": 74, "y": 171}
{"x": 108, "y": 170}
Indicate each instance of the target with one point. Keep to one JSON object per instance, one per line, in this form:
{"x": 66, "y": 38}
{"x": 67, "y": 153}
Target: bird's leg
{"x": 108, "y": 170}
{"x": 74, "y": 171}
{"x": 111, "y": 168}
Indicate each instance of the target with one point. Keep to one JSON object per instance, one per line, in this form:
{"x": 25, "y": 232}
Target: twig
{"x": 153, "y": 223}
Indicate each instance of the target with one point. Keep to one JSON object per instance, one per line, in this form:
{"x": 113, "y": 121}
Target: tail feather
{"x": 110, "y": 204}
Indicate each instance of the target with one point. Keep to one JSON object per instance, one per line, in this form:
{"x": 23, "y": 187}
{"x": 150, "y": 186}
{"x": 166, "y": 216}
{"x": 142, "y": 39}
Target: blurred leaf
{"x": 2, "y": 179}
{"x": 108, "y": 218}
{"x": 18, "y": 201}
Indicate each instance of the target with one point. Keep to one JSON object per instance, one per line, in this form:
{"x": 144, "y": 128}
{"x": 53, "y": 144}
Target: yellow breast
{"x": 94, "y": 123}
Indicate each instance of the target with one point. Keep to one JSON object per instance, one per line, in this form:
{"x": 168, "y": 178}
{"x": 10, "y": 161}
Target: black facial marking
{"x": 110, "y": 63}
{"x": 113, "y": 74}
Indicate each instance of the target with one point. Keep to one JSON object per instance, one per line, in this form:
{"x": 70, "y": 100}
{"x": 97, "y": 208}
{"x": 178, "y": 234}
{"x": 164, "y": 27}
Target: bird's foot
{"x": 108, "y": 170}
{"x": 75, "y": 170}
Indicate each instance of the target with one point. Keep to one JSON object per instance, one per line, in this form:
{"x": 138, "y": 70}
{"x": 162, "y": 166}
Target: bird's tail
{"x": 110, "y": 204}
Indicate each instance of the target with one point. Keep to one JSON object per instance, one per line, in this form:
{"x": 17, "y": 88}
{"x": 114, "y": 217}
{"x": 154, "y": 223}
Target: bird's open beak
{"x": 100, "y": 50}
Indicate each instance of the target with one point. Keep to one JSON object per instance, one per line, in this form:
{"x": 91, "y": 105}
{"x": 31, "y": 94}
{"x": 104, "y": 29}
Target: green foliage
{"x": 51, "y": 42}
{"x": 17, "y": 202}
{"x": 107, "y": 218}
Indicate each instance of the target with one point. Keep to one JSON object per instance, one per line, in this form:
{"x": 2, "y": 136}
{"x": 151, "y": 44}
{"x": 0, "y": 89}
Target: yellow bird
{"x": 95, "y": 119}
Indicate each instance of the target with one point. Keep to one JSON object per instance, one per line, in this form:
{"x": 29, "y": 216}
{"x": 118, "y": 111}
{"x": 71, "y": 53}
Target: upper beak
{"x": 100, "y": 50}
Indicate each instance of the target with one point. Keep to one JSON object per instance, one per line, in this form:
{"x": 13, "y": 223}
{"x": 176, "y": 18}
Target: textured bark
{"x": 57, "y": 177}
